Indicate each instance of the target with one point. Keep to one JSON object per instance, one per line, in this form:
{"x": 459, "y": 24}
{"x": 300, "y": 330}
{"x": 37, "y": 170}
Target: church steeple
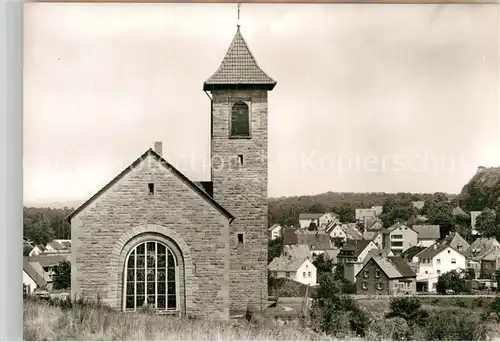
{"x": 239, "y": 69}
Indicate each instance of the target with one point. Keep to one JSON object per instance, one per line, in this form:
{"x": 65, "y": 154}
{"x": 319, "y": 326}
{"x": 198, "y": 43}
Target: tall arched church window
{"x": 151, "y": 278}
{"x": 240, "y": 120}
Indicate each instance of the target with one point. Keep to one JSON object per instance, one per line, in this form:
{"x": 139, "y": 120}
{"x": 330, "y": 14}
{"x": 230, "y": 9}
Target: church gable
{"x": 146, "y": 183}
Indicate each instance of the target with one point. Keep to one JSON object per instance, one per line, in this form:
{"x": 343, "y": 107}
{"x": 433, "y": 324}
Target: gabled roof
{"x": 393, "y": 267}
{"x": 285, "y": 264}
{"x": 457, "y": 211}
{"x": 481, "y": 247}
{"x": 412, "y": 251}
{"x": 66, "y": 244}
{"x": 492, "y": 255}
{"x": 239, "y": 67}
{"x": 396, "y": 226}
{"x": 273, "y": 226}
{"x": 433, "y": 250}
{"x": 32, "y": 273}
{"x": 56, "y": 245}
{"x": 151, "y": 152}
{"x": 428, "y": 231}
{"x": 456, "y": 241}
{"x": 352, "y": 231}
{"x": 316, "y": 242}
{"x": 296, "y": 251}
{"x": 309, "y": 216}
{"x": 353, "y": 248}
{"x": 48, "y": 260}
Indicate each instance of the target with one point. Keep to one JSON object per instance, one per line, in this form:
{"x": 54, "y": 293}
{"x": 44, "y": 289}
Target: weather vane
{"x": 238, "y": 24}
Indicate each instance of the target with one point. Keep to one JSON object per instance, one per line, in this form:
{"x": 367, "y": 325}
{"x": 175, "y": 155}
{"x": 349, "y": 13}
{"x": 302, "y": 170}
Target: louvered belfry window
{"x": 240, "y": 120}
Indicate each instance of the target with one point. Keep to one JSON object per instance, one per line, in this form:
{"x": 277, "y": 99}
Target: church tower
{"x": 239, "y": 107}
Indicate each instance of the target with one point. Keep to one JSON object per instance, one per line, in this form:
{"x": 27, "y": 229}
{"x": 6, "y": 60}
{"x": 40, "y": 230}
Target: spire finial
{"x": 238, "y": 22}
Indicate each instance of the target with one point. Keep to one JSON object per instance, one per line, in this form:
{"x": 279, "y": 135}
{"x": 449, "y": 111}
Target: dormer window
{"x": 240, "y": 120}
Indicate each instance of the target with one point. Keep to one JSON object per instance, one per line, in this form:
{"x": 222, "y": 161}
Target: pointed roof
{"x": 133, "y": 166}
{"x": 239, "y": 68}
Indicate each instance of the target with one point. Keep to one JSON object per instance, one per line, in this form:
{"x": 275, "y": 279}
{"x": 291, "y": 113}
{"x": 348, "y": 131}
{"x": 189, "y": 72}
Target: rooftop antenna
{"x": 238, "y": 22}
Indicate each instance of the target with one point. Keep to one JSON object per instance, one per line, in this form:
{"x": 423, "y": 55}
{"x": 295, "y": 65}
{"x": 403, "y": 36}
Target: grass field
{"x": 45, "y": 322}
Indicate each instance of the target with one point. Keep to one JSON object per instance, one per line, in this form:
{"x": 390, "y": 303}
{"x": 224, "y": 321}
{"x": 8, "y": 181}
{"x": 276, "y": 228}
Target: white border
{"x": 11, "y": 172}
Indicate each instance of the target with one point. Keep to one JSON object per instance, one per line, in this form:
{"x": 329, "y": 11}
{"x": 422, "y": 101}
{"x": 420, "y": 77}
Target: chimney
{"x": 159, "y": 147}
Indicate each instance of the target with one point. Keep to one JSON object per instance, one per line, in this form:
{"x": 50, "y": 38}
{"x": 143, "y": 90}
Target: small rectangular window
{"x": 240, "y": 159}
{"x": 304, "y": 274}
{"x": 240, "y": 238}
{"x": 308, "y": 274}
{"x": 366, "y": 273}
{"x": 377, "y": 274}
{"x": 379, "y": 286}
{"x": 151, "y": 187}
{"x": 365, "y": 285}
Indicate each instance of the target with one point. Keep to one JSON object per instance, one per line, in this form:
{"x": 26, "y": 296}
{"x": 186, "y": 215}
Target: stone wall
{"x": 242, "y": 190}
{"x": 125, "y": 211}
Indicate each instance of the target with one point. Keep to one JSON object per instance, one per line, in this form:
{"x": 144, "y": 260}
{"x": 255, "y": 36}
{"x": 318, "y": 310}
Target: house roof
{"x": 309, "y": 216}
{"x": 285, "y": 264}
{"x": 481, "y": 247}
{"x": 412, "y": 251}
{"x": 66, "y": 244}
{"x": 353, "y": 248}
{"x": 239, "y": 67}
{"x": 457, "y": 211}
{"x": 456, "y": 241}
{"x": 492, "y": 255}
{"x": 332, "y": 254}
{"x": 370, "y": 235}
{"x": 296, "y": 251}
{"x": 393, "y": 267}
{"x": 290, "y": 236}
{"x": 176, "y": 172}
{"x": 396, "y": 226}
{"x": 427, "y": 231}
{"x": 379, "y": 252}
{"x": 433, "y": 250}
{"x": 47, "y": 260}
{"x": 32, "y": 273}
{"x": 273, "y": 226}
{"x": 316, "y": 242}
{"x": 56, "y": 245}
{"x": 350, "y": 229}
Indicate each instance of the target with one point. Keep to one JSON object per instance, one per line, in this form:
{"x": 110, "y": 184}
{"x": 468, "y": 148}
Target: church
{"x": 152, "y": 237}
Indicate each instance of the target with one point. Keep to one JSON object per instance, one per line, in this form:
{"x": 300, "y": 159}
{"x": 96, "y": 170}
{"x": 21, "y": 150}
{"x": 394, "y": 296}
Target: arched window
{"x": 151, "y": 278}
{"x": 240, "y": 120}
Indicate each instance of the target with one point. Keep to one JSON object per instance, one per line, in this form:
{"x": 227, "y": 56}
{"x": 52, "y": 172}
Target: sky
{"x": 383, "y": 98}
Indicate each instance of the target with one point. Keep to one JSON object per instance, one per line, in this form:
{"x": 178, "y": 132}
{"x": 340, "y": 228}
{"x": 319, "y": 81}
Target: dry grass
{"x": 45, "y": 322}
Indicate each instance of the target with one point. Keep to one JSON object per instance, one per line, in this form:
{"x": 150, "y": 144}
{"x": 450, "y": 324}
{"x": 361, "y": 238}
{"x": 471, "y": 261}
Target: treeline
{"x": 286, "y": 210}
{"x": 42, "y": 225}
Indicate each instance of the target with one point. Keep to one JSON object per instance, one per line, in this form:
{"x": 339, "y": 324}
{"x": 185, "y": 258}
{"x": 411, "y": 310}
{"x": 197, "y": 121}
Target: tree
{"x": 469, "y": 274}
{"x": 274, "y": 249}
{"x": 452, "y": 280}
{"x": 323, "y": 264}
{"x": 397, "y": 210}
{"x": 62, "y": 276}
{"x": 408, "y": 308}
{"x": 439, "y": 211}
{"x": 346, "y": 213}
{"x": 494, "y": 308}
{"x": 486, "y": 223}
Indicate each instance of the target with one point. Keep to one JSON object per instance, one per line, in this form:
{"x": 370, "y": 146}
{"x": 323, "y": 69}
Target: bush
{"x": 409, "y": 309}
{"x": 454, "y": 326}
{"x": 391, "y": 329}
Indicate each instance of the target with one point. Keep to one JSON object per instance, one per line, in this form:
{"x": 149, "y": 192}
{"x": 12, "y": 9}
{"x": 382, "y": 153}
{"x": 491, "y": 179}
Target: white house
{"x": 361, "y": 214}
{"x": 306, "y": 219}
{"x": 327, "y": 218}
{"x": 300, "y": 270}
{"x": 399, "y": 238}
{"x": 274, "y": 231}
{"x": 473, "y": 219}
{"x": 31, "y": 278}
{"x": 36, "y": 250}
{"x": 427, "y": 234}
{"x": 346, "y": 231}
{"x": 434, "y": 261}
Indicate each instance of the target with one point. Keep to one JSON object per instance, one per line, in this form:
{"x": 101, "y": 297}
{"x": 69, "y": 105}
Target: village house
{"x": 434, "y": 261}
{"x": 317, "y": 243}
{"x": 399, "y": 238}
{"x": 303, "y": 251}
{"x": 274, "y": 231}
{"x": 55, "y": 247}
{"x": 455, "y": 240}
{"x": 473, "y": 218}
{"x": 410, "y": 256}
{"x": 305, "y": 220}
{"x": 383, "y": 275}
{"x": 205, "y": 241}
{"x": 327, "y": 218}
{"x": 32, "y": 280}
{"x": 419, "y": 205}
{"x": 489, "y": 264}
{"x": 457, "y": 211}
{"x": 361, "y": 214}
{"x": 375, "y": 236}
{"x": 44, "y": 264}
{"x": 352, "y": 255}
{"x": 372, "y": 224}
{"x": 480, "y": 249}
{"x": 300, "y": 270}
{"x": 427, "y": 234}
{"x": 344, "y": 231}
{"x": 36, "y": 250}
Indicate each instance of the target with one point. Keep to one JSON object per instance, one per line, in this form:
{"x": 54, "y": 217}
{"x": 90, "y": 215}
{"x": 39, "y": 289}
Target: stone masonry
{"x": 242, "y": 190}
{"x": 126, "y": 213}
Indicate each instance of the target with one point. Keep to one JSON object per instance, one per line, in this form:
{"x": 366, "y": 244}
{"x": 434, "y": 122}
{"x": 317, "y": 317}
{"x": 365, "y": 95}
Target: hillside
{"x": 482, "y": 191}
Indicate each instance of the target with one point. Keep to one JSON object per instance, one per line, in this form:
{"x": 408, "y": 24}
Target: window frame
{"x": 231, "y": 103}
{"x": 176, "y": 268}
